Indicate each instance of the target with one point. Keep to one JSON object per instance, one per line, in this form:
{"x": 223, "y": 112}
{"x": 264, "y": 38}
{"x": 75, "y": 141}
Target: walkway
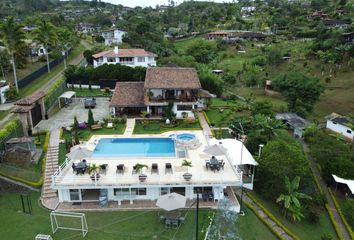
{"x": 324, "y": 188}
{"x": 49, "y": 196}
{"x": 130, "y": 127}
{"x": 263, "y": 215}
{"x": 205, "y": 126}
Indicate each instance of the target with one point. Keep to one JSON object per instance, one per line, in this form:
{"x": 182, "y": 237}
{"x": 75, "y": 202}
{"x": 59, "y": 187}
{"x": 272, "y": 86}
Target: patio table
{"x": 214, "y": 163}
{"x": 81, "y": 167}
{"x": 173, "y": 215}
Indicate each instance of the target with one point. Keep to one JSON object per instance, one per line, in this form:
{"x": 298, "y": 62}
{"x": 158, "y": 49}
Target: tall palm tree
{"x": 291, "y": 200}
{"x": 65, "y": 38}
{"x": 13, "y": 37}
{"x": 45, "y": 34}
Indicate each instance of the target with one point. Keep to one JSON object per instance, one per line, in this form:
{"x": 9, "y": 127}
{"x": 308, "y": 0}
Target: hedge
{"x": 11, "y": 129}
{"x": 334, "y": 223}
{"x": 339, "y": 209}
{"x": 54, "y": 92}
{"x": 206, "y": 117}
{"x": 39, "y": 183}
{"x": 271, "y": 216}
{"x": 263, "y": 220}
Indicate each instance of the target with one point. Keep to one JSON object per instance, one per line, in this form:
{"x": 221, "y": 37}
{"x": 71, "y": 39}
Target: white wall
{"x": 338, "y": 128}
{"x": 2, "y": 93}
{"x": 179, "y": 113}
{"x": 135, "y": 62}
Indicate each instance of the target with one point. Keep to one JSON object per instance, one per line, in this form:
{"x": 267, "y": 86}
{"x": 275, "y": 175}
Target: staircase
{"x": 130, "y": 127}
{"x": 49, "y": 196}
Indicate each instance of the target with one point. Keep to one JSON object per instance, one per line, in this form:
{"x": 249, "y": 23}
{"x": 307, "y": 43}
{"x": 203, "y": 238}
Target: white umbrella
{"x": 215, "y": 150}
{"x": 171, "y": 201}
{"x": 79, "y": 153}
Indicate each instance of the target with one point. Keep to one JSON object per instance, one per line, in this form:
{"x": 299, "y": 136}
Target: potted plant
{"x": 150, "y": 95}
{"x": 187, "y": 176}
{"x": 138, "y": 168}
{"x": 93, "y": 169}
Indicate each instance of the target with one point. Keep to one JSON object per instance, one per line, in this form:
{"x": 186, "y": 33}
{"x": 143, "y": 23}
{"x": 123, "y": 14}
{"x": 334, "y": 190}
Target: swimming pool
{"x": 186, "y": 136}
{"x": 135, "y": 147}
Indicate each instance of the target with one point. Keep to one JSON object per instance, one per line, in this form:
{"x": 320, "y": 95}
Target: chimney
{"x": 116, "y": 49}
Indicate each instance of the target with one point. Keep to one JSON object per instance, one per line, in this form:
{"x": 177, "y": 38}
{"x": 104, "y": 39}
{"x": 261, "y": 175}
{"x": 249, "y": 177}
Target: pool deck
{"x": 200, "y": 174}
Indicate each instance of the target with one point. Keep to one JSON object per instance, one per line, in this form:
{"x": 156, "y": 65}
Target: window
{"x": 110, "y": 59}
{"x": 141, "y": 59}
{"x": 139, "y": 191}
{"x": 74, "y": 194}
{"x": 121, "y": 191}
{"x": 348, "y": 131}
{"x": 202, "y": 189}
{"x": 184, "y": 107}
{"x": 125, "y": 59}
{"x": 164, "y": 190}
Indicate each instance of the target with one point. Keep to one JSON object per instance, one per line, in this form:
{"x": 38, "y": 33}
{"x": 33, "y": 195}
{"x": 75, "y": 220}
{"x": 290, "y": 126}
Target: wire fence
{"x": 52, "y": 97}
{"x": 11, "y": 130}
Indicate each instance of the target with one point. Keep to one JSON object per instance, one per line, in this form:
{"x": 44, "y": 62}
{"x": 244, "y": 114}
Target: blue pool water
{"x": 186, "y": 136}
{"x": 135, "y": 147}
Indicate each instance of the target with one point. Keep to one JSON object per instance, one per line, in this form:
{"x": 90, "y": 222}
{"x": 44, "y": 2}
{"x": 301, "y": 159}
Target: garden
{"x": 160, "y": 126}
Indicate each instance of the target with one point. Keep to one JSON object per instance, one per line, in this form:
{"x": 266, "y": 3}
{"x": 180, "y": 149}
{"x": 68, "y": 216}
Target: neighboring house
{"x": 232, "y": 35}
{"x": 163, "y": 86}
{"x": 348, "y": 37}
{"x": 319, "y": 14}
{"x": 113, "y": 36}
{"x": 87, "y": 28}
{"x": 29, "y": 27}
{"x": 340, "y": 124}
{"x": 336, "y": 23}
{"x": 247, "y": 11}
{"x": 296, "y": 123}
{"x": 128, "y": 57}
{"x": 3, "y": 88}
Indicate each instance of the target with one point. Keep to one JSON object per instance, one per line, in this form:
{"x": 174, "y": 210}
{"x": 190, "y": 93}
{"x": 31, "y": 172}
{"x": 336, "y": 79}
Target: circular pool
{"x": 186, "y": 137}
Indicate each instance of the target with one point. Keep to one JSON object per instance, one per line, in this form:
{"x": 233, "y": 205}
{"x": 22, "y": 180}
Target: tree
{"x": 186, "y": 163}
{"x": 45, "y": 34}
{"x": 13, "y": 37}
{"x": 64, "y": 41}
{"x": 88, "y": 56}
{"x": 76, "y": 131}
{"x": 90, "y": 120}
{"x": 291, "y": 199}
{"x": 202, "y": 50}
{"x": 262, "y": 107}
{"x": 300, "y": 91}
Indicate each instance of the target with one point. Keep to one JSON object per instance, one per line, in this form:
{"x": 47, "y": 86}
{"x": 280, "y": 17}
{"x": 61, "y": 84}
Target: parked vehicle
{"x": 90, "y": 102}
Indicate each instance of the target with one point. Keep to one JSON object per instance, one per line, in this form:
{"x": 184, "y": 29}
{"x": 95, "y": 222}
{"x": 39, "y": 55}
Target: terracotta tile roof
{"x": 21, "y": 109}
{"x": 128, "y": 94}
{"x": 171, "y": 78}
{"x": 218, "y": 33}
{"x": 30, "y": 99}
{"x": 124, "y": 53}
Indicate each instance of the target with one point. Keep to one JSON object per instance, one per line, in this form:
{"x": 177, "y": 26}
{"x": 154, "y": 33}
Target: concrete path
{"x": 205, "y": 126}
{"x": 49, "y": 196}
{"x": 324, "y": 188}
{"x": 130, "y": 127}
{"x": 263, "y": 215}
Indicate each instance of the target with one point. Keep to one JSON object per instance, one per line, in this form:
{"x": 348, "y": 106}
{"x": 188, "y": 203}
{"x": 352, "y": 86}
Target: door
{"x": 36, "y": 114}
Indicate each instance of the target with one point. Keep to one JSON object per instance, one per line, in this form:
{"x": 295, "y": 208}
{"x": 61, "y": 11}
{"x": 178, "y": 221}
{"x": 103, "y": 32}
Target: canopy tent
{"x": 171, "y": 201}
{"x": 349, "y": 183}
{"x": 67, "y": 96}
{"x": 235, "y": 151}
{"x": 79, "y": 153}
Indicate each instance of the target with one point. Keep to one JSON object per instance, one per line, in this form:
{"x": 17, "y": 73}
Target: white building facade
{"x": 114, "y": 36}
{"x": 128, "y": 57}
{"x": 341, "y": 125}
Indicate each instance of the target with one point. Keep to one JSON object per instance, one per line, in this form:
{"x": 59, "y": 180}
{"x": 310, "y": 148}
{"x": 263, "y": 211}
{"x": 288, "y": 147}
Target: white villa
{"x": 123, "y": 186}
{"x": 163, "y": 86}
{"x": 113, "y": 36}
{"x": 128, "y": 57}
{"x": 340, "y": 124}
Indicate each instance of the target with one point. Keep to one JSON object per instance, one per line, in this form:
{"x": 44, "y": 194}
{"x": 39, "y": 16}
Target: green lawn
{"x": 30, "y": 88}
{"x": 127, "y": 225}
{"x": 62, "y": 153}
{"x": 85, "y": 92}
{"x": 4, "y": 114}
{"x": 302, "y": 229}
{"x": 218, "y": 102}
{"x": 225, "y": 117}
{"x": 155, "y": 127}
{"x": 85, "y": 134}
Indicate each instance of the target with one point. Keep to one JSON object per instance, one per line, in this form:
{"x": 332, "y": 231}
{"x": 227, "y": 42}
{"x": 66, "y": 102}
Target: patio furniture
{"x": 207, "y": 164}
{"x": 168, "y": 168}
{"x": 96, "y": 127}
{"x": 134, "y": 171}
{"x": 168, "y": 223}
{"x": 81, "y": 167}
{"x": 214, "y": 164}
{"x": 211, "y": 196}
{"x": 181, "y": 220}
{"x": 120, "y": 168}
{"x": 73, "y": 166}
{"x": 162, "y": 218}
{"x": 103, "y": 168}
{"x": 205, "y": 196}
{"x": 154, "y": 168}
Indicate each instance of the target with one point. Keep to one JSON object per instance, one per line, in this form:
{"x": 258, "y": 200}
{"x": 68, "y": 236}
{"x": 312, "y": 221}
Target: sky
{"x": 152, "y": 3}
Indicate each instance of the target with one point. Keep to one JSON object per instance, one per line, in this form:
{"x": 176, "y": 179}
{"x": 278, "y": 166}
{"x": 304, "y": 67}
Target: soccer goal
{"x": 69, "y": 221}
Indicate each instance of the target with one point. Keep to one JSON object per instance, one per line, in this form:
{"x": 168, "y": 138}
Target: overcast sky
{"x": 152, "y": 3}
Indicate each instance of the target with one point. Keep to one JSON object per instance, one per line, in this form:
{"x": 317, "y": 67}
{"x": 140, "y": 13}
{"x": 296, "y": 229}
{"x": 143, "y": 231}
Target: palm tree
{"x": 291, "y": 200}
{"x": 13, "y": 37}
{"x": 186, "y": 163}
{"x": 45, "y": 34}
{"x": 65, "y": 38}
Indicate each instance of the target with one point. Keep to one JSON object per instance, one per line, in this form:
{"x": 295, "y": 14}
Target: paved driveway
{"x": 65, "y": 117}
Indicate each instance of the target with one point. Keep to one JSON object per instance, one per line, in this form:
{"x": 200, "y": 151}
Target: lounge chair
{"x": 120, "y": 168}
{"x": 134, "y": 171}
{"x": 168, "y": 168}
{"x": 109, "y": 125}
{"x": 154, "y": 168}
{"x": 103, "y": 168}
{"x": 73, "y": 166}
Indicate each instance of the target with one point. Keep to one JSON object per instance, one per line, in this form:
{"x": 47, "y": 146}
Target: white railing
{"x": 62, "y": 167}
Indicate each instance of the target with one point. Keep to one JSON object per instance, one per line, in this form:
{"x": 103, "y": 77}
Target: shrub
{"x": 312, "y": 215}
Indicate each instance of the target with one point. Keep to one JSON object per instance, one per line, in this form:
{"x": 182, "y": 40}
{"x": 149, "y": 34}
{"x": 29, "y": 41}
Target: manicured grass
{"x": 155, "y": 127}
{"x": 39, "y": 82}
{"x": 85, "y": 134}
{"x": 252, "y": 228}
{"x": 224, "y": 133}
{"x": 303, "y": 229}
{"x": 218, "y": 102}
{"x": 62, "y": 153}
{"x": 225, "y": 117}
{"x": 85, "y": 92}
{"x": 125, "y": 225}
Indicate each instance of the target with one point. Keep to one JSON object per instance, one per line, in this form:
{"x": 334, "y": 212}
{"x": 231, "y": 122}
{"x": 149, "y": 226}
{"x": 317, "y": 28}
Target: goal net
{"x": 68, "y": 221}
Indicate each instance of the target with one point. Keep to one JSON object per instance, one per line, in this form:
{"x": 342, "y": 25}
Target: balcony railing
{"x": 173, "y": 99}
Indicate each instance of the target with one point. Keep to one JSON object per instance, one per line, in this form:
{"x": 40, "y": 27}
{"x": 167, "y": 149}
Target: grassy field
{"x": 29, "y": 68}
{"x": 30, "y": 88}
{"x": 62, "y": 153}
{"x": 85, "y": 92}
{"x": 302, "y": 229}
{"x": 155, "y": 127}
{"x": 85, "y": 134}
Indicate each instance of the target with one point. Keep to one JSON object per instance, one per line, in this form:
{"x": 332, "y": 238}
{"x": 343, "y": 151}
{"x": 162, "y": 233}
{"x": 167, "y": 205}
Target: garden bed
{"x": 155, "y": 126}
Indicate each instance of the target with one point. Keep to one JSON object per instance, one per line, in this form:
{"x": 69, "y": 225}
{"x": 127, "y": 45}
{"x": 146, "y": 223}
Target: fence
{"x": 54, "y": 92}
{"x": 12, "y": 129}
{"x": 103, "y": 83}
{"x": 39, "y": 72}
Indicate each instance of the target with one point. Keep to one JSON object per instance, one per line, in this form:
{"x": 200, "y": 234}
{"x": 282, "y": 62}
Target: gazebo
{"x": 66, "y": 98}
